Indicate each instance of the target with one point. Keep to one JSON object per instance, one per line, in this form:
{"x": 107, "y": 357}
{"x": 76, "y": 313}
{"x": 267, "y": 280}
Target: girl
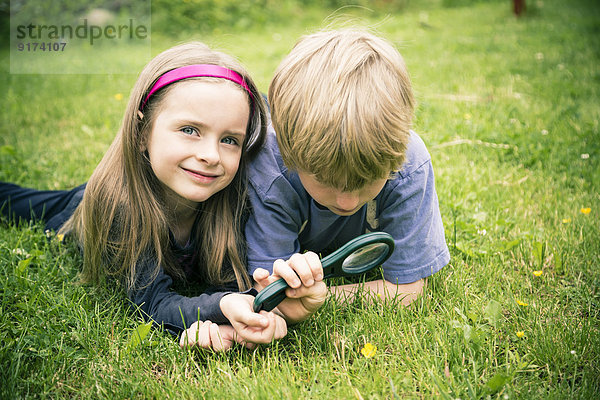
{"x": 168, "y": 201}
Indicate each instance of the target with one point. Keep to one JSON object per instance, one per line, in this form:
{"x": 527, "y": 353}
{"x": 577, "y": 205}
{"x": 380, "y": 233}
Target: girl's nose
{"x": 208, "y": 152}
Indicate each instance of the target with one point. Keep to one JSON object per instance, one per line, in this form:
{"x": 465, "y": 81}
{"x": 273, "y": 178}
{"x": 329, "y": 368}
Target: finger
{"x": 186, "y": 335}
{"x": 299, "y": 263}
{"x": 188, "y": 338}
{"x": 260, "y": 335}
{"x": 250, "y": 319}
{"x": 268, "y": 334}
{"x": 284, "y": 270}
{"x": 280, "y": 328}
{"x": 216, "y": 339}
{"x": 263, "y": 279}
{"x": 260, "y": 274}
{"x": 238, "y": 339}
{"x": 203, "y": 335}
{"x": 319, "y": 289}
{"x": 314, "y": 262}
{"x": 196, "y": 335}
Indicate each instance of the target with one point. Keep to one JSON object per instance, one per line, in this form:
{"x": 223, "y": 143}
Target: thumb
{"x": 260, "y": 274}
{"x": 261, "y": 277}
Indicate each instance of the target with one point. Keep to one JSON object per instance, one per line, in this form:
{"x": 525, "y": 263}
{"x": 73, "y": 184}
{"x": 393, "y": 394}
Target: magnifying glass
{"x": 356, "y": 257}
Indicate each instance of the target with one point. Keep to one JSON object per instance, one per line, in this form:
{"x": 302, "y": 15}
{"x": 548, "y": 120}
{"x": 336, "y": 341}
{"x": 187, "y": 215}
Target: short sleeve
{"x": 408, "y": 210}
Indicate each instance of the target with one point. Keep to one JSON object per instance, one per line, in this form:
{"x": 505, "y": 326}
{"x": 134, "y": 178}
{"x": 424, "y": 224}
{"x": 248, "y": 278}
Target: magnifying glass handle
{"x": 271, "y": 296}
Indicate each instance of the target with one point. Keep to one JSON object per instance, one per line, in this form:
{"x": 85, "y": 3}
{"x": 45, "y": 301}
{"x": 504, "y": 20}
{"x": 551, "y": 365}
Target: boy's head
{"x": 342, "y": 106}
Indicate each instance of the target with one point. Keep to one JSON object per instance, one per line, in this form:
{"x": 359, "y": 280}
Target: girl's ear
{"x": 140, "y": 115}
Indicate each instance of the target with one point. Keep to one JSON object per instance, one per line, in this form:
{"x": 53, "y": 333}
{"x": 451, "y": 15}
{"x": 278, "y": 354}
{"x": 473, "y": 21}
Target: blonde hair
{"x": 342, "y": 107}
{"x": 122, "y": 218}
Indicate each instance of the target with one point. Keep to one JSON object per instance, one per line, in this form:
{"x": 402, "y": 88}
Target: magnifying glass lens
{"x": 365, "y": 258}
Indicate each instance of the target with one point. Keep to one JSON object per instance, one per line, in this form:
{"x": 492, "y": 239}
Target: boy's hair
{"x": 122, "y": 218}
{"x": 342, "y": 107}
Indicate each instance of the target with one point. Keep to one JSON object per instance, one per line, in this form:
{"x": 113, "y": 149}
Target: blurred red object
{"x": 518, "y": 7}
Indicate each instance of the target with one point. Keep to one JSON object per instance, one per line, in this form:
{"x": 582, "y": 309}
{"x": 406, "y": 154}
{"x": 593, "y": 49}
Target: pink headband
{"x": 196, "y": 70}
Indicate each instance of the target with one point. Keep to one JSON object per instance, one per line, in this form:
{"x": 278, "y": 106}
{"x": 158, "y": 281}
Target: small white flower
{"x": 544, "y": 132}
{"x": 482, "y": 232}
{"x": 573, "y": 352}
{"x": 539, "y": 56}
{"x": 585, "y": 156}
{"x": 21, "y": 252}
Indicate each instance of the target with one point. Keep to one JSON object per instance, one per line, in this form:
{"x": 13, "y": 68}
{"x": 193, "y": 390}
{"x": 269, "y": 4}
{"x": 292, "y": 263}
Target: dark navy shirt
{"x": 154, "y": 296}
{"x": 156, "y": 299}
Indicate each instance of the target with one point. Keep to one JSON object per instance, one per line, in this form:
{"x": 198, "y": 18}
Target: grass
{"x": 509, "y": 110}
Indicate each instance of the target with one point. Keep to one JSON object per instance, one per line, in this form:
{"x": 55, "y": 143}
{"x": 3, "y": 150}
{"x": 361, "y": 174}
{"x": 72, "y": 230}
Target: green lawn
{"x": 510, "y": 111}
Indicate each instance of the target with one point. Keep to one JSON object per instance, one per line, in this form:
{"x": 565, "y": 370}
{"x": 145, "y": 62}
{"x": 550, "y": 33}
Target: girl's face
{"x": 196, "y": 140}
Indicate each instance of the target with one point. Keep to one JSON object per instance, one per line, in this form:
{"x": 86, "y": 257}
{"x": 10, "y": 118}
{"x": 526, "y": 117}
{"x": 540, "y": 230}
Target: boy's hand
{"x": 208, "y": 335}
{"x": 307, "y": 291}
{"x": 251, "y": 327}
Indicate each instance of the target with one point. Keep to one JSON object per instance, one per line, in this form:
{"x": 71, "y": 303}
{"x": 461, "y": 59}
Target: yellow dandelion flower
{"x": 369, "y": 350}
{"x": 538, "y": 273}
{"x": 60, "y": 237}
{"x": 468, "y": 116}
{"x": 520, "y": 334}
{"x": 566, "y": 220}
{"x": 118, "y": 96}
{"x": 522, "y": 303}
{"x": 586, "y": 210}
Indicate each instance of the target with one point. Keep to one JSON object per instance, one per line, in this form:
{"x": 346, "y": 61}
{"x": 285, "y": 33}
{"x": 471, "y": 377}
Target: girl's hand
{"x": 307, "y": 292}
{"x": 251, "y": 327}
{"x": 208, "y": 335}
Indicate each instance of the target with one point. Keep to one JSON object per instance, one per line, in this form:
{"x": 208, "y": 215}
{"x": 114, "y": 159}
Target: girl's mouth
{"x": 202, "y": 177}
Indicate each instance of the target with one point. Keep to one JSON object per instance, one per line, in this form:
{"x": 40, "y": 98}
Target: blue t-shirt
{"x": 286, "y": 220}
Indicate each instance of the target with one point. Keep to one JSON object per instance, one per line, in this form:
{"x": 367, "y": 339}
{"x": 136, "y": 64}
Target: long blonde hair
{"x": 342, "y": 106}
{"x": 122, "y": 217}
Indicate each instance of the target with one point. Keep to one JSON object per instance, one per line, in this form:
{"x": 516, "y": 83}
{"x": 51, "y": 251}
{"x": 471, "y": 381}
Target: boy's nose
{"x": 347, "y": 201}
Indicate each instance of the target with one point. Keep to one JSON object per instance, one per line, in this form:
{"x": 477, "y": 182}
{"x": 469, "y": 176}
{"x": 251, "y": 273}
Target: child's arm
{"x": 307, "y": 291}
{"x": 382, "y": 289}
{"x": 176, "y": 313}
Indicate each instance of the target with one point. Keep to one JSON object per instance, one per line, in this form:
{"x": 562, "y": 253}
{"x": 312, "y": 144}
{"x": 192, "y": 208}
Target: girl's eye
{"x": 230, "y": 140}
{"x": 188, "y": 130}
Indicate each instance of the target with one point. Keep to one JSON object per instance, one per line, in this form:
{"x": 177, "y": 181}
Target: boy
{"x": 343, "y": 161}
